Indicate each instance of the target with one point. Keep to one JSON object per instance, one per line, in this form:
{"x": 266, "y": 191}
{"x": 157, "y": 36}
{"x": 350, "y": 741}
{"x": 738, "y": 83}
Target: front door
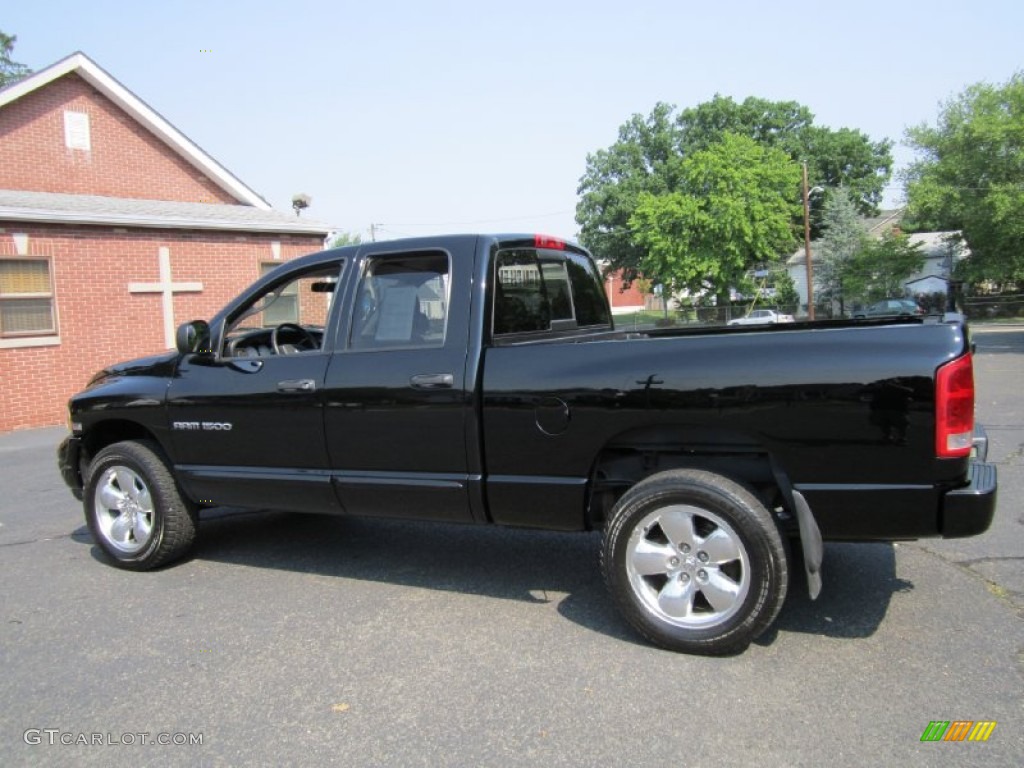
{"x": 247, "y": 423}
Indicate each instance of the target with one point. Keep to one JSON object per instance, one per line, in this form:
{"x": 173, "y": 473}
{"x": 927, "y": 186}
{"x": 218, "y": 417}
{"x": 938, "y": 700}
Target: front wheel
{"x": 133, "y": 507}
{"x": 694, "y": 562}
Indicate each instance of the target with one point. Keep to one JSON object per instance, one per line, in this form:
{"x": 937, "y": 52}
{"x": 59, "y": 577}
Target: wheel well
{"x": 632, "y": 457}
{"x": 99, "y": 436}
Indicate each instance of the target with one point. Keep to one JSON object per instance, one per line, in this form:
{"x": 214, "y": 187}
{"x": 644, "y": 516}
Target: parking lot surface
{"x": 299, "y": 640}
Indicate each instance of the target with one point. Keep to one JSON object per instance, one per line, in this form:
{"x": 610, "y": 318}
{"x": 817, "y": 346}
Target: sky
{"x": 419, "y": 118}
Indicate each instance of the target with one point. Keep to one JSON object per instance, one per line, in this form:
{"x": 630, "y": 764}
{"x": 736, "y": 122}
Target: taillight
{"x": 954, "y": 408}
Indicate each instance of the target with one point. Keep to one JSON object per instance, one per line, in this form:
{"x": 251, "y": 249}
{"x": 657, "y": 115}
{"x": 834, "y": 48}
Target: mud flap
{"x": 810, "y": 543}
{"x": 810, "y": 535}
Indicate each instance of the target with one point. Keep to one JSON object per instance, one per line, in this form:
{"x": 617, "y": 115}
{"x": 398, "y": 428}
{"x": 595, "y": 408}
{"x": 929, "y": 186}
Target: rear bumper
{"x": 968, "y": 511}
{"x": 69, "y": 454}
{"x": 858, "y": 512}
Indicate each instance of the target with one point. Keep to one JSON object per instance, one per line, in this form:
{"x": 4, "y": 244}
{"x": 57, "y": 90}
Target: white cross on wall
{"x": 168, "y": 288}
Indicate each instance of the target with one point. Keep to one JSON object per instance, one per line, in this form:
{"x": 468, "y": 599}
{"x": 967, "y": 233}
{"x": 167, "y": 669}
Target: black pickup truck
{"x": 481, "y": 379}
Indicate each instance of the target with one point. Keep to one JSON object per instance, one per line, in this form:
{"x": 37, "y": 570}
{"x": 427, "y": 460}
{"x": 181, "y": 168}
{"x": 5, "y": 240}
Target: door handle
{"x": 296, "y": 385}
{"x": 433, "y": 381}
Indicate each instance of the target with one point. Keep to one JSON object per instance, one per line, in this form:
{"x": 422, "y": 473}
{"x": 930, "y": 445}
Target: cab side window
{"x": 402, "y": 302}
{"x": 537, "y": 290}
{"x": 589, "y": 299}
{"x": 521, "y": 302}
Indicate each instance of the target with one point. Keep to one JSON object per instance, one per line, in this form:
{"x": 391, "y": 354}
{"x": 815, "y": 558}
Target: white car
{"x": 763, "y": 317}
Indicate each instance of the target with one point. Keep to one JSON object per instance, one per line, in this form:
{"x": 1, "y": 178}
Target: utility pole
{"x": 807, "y": 247}
{"x": 373, "y": 232}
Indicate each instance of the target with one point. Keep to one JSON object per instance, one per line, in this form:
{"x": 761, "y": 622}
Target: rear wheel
{"x": 695, "y": 562}
{"x": 133, "y": 507}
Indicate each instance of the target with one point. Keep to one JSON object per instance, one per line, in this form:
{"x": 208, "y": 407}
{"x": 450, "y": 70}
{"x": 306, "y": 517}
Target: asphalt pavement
{"x": 300, "y": 640}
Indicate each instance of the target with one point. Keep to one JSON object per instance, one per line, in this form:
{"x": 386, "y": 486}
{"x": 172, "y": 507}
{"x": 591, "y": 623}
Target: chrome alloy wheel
{"x": 687, "y": 566}
{"x": 124, "y": 510}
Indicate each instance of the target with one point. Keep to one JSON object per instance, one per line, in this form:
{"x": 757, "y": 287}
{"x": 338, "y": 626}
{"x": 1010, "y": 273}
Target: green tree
{"x": 970, "y": 177}
{"x": 731, "y": 211}
{"x": 346, "y": 238}
{"x": 10, "y": 71}
{"x": 842, "y": 238}
{"x": 644, "y": 160}
{"x": 843, "y": 158}
{"x": 880, "y": 269}
{"x": 649, "y": 152}
{"x": 787, "y": 297}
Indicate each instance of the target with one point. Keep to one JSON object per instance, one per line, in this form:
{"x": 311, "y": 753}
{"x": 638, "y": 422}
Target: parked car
{"x": 890, "y": 308}
{"x": 762, "y": 317}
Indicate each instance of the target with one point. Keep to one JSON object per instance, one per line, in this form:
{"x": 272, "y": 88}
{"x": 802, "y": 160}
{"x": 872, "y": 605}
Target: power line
{"x": 489, "y": 221}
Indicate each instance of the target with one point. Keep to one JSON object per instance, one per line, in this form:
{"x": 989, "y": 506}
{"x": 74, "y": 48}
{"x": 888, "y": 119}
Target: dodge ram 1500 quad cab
{"x": 480, "y": 379}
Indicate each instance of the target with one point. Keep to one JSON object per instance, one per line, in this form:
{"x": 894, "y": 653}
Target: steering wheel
{"x": 296, "y": 329}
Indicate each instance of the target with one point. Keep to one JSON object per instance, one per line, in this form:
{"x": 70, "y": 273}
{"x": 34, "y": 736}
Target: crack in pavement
{"x": 1011, "y": 458}
{"x": 218, "y": 513}
{"x": 74, "y": 535}
{"x": 1014, "y": 598}
{"x": 976, "y": 560}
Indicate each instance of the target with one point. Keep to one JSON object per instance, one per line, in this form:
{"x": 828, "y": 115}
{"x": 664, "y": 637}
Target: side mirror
{"x": 193, "y": 337}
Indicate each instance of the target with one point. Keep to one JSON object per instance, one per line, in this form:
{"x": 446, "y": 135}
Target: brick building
{"x": 621, "y": 299}
{"x": 114, "y": 228}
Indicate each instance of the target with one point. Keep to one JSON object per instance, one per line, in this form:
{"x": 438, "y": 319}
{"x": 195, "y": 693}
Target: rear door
{"x": 396, "y": 391}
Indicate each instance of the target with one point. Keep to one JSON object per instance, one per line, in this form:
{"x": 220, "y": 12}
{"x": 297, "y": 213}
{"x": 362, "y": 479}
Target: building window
{"x": 26, "y": 298}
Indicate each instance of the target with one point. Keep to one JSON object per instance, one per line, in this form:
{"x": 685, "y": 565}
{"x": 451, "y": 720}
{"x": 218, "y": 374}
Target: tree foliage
{"x": 731, "y": 210}
{"x": 970, "y": 177}
{"x": 786, "y": 295}
{"x": 843, "y": 158}
{"x": 648, "y": 158}
{"x": 345, "y": 238}
{"x": 644, "y": 160}
{"x": 842, "y": 239}
{"x": 881, "y": 267}
{"x": 10, "y": 71}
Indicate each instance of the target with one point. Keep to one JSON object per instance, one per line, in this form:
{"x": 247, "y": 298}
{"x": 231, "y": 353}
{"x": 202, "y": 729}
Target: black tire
{"x": 695, "y": 562}
{"x": 133, "y": 507}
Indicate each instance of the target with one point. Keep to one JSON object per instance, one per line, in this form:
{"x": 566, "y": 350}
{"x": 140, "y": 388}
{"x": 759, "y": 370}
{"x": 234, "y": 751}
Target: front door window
{"x": 287, "y": 318}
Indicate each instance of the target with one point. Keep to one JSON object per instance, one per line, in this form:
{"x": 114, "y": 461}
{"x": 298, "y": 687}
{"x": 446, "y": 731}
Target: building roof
{"x": 927, "y": 277}
{"x": 81, "y": 65}
{"x": 933, "y": 244}
{"x": 53, "y": 207}
{"x": 877, "y": 226}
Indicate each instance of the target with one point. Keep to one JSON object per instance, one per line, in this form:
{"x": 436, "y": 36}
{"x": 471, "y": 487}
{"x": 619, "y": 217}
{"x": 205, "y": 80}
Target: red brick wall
{"x": 619, "y": 298}
{"x": 125, "y": 160}
{"x": 99, "y": 321}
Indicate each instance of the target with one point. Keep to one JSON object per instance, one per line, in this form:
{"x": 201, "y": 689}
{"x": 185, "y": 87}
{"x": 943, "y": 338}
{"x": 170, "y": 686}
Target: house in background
{"x": 942, "y": 251}
{"x": 624, "y": 300}
{"x": 114, "y": 228}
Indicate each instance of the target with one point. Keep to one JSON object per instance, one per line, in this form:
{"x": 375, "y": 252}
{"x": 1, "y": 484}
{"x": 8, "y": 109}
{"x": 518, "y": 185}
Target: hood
{"x": 162, "y": 365}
